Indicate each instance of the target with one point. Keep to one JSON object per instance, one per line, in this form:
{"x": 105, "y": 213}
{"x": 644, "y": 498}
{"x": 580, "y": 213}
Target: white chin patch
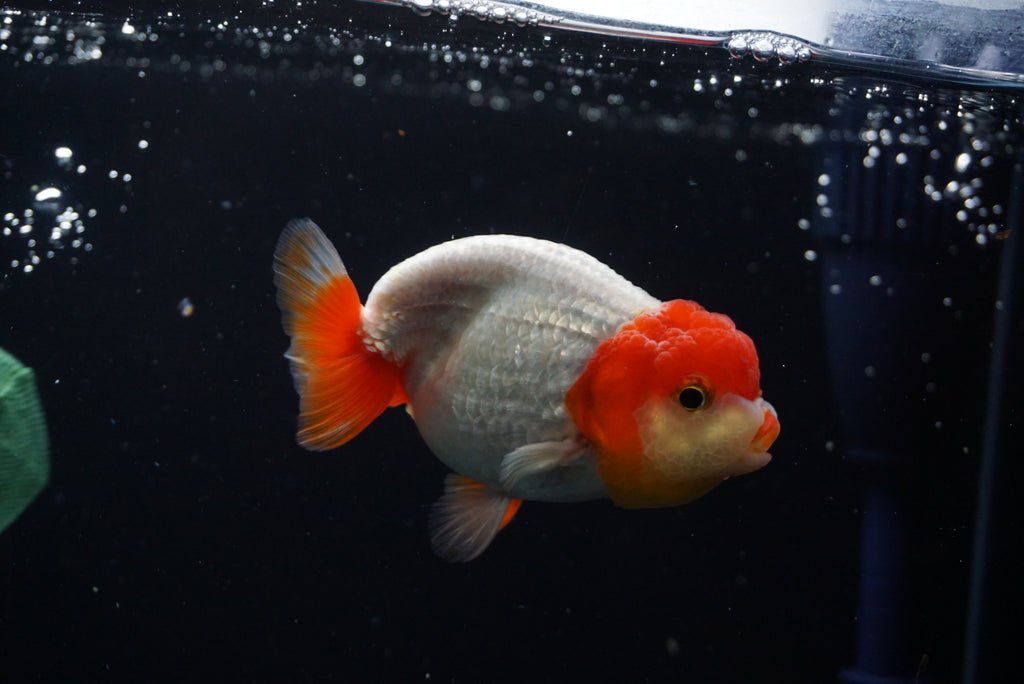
{"x": 714, "y": 443}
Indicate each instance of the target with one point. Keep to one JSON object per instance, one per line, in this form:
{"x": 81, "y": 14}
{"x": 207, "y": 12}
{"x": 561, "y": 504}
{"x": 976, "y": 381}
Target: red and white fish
{"x": 531, "y": 369}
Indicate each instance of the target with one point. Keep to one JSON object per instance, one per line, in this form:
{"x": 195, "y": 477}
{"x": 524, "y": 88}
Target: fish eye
{"x": 694, "y": 398}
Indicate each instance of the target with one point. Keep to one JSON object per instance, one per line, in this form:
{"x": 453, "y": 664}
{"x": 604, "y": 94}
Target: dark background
{"x": 185, "y": 535}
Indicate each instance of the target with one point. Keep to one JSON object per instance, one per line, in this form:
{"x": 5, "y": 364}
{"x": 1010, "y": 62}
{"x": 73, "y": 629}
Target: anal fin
{"x": 466, "y": 518}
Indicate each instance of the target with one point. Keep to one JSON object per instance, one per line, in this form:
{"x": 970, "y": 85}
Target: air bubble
{"x": 963, "y": 162}
{"x": 48, "y": 194}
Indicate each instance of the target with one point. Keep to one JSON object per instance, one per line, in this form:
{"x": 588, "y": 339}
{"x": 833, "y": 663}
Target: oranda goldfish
{"x": 531, "y": 369}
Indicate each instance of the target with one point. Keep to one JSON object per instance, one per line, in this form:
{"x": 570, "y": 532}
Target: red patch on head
{"x": 691, "y": 340}
{"x": 653, "y": 356}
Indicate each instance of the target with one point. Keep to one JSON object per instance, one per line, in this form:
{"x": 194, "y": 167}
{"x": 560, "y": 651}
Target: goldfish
{"x": 531, "y": 370}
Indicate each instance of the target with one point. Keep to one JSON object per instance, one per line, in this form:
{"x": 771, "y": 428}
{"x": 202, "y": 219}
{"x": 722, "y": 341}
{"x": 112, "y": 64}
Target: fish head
{"x": 672, "y": 406}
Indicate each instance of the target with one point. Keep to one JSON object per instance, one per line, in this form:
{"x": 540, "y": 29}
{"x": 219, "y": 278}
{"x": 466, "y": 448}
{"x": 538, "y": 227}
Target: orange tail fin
{"x": 342, "y": 383}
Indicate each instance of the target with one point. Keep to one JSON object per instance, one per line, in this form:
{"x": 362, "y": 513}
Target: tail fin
{"x": 342, "y": 383}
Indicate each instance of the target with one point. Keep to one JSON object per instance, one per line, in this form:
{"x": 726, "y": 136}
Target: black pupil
{"x": 691, "y": 398}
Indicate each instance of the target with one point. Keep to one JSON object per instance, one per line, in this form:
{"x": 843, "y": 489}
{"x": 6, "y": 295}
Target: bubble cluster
{"x": 765, "y": 45}
{"x": 46, "y": 220}
{"x": 485, "y": 10}
{"x": 941, "y": 157}
{"x": 44, "y": 232}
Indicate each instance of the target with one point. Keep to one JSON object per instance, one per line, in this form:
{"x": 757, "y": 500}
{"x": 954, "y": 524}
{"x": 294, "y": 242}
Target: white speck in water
{"x": 185, "y": 308}
{"x": 869, "y": 371}
{"x": 143, "y": 144}
{"x": 926, "y": 357}
{"x": 947, "y": 301}
{"x": 63, "y": 153}
{"x": 127, "y": 28}
{"x": 824, "y": 180}
{"x": 810, "y": 255}
{"x": 875, "y": 280}
{"x": 835, "y": 288}
{"x": 803, "y": 224}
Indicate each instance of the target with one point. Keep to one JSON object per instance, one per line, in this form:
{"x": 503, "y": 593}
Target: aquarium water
{"x": 843, "y": 179}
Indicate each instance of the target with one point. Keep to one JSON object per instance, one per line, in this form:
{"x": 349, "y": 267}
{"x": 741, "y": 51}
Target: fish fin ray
{"x": 539, "y": 458}
{"x": 342, "y": 383}
{"x": 466, "y": 518}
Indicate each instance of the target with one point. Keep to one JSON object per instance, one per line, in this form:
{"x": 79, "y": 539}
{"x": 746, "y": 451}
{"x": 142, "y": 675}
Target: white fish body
{"x": 492, "y": 331}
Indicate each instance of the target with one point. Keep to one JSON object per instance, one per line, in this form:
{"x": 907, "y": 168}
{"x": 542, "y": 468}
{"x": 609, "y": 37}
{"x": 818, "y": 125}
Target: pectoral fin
{"x": 539, "y": 459}
{"x": 467, "y": 517}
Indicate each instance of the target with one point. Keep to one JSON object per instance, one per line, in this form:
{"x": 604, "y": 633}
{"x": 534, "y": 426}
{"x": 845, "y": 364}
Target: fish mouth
{"x": 768, "y": 431}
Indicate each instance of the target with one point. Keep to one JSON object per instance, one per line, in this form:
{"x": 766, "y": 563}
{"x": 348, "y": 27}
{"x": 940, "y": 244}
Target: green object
{"x": 24, "y": 445}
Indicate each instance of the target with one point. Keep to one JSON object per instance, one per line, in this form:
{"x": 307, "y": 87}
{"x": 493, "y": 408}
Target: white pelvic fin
{"x": 466, "y": 518}
{"x": 538, "y": 459}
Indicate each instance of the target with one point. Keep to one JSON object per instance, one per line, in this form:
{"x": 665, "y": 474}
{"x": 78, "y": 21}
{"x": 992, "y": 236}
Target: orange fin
{"x": 343, "y": 383}
{"x": 464, "y": 521}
